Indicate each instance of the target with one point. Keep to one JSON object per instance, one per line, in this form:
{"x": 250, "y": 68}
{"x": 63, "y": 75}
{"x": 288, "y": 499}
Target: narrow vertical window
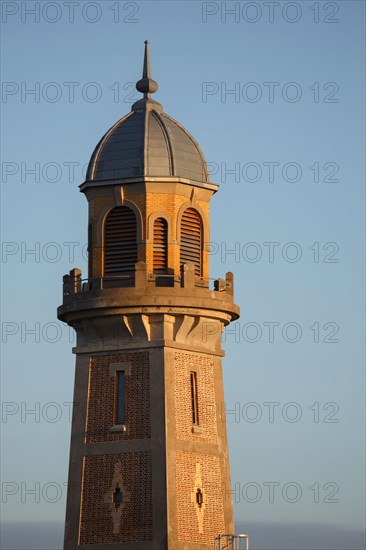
{"x": 199, "y": 498}
{"x": 120, "y": 397}
{"x": 160, "y": 251}
{"x": 117, "y": 496}
{"x": 194, "y": 398}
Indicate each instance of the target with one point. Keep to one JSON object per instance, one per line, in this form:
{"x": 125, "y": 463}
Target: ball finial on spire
{"x": 146, "y": 85}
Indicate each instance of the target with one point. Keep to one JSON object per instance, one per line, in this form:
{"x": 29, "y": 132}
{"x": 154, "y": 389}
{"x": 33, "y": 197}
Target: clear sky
{"x": 274, "y": 94}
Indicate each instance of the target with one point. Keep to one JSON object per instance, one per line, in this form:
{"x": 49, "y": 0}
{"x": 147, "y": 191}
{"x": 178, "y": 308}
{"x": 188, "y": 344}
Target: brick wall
{"x": 101, "y": 398}
{"x": 101, "y": 521}
{"x": 194, "y": 524}
{"x": 184, "y": 363}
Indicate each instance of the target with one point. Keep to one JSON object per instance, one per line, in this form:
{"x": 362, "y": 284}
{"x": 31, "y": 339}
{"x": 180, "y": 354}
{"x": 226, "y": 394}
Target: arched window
{"x": 90, "y": 250}
{"x": 160, "y": 251}
{"x": 191, "y": 240}
{"x": 120, "y": 242}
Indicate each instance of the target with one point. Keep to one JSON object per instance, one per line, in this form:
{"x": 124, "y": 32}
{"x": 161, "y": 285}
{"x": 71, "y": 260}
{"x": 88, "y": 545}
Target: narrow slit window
{"x": 117, "y": 497}
{"x": 120, "y": 397}
{"x": 194, "y": 398}
{"x": 199, "y": 498}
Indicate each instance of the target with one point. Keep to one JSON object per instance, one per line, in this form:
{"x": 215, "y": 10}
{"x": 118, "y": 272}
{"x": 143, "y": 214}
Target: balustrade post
{"x": 75, "y": 279}
{"x": 187, "y": 276}
{"x": 140, "y": 275}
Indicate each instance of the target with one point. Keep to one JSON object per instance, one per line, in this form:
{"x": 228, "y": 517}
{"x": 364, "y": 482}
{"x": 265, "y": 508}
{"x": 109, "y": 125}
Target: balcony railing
{"x": 231, "y": 542}
{"x": 73, "y": 283}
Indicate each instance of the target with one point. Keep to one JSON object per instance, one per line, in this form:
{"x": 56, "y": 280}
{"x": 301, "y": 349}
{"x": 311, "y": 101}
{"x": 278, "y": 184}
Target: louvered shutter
{"x": 160, "y": 251}
{"x": 191, "y": 240}
{"x": 120, "y": 242}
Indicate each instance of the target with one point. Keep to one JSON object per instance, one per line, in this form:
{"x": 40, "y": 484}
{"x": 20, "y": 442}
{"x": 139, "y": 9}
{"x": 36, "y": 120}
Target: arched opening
{"x": 191, "y": 240}
{"x": 120, "y": 243}
{"x": 160, "y": 250}
{"x": 90, "y": 251}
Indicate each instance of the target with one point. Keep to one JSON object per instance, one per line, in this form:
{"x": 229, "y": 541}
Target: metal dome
{"x": 147, "y": 142}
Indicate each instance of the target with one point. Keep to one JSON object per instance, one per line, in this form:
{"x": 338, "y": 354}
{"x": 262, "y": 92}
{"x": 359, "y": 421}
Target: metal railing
{"x": 231, "y": 542}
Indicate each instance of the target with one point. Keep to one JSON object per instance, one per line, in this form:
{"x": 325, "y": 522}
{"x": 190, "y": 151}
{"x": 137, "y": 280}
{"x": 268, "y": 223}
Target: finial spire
{"x": 146, "y": 70}
{"x": 146, "y": 85}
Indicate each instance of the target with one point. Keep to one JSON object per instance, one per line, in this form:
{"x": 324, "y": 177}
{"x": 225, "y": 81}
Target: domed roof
{"x": 147, "y": 142}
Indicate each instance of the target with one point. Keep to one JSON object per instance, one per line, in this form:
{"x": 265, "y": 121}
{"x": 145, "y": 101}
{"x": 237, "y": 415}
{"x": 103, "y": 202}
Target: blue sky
{"x": 266, "y": 93}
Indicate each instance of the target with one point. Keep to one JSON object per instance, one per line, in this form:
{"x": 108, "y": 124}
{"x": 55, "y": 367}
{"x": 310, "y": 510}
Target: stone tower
{"x": 149, "y": 466}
